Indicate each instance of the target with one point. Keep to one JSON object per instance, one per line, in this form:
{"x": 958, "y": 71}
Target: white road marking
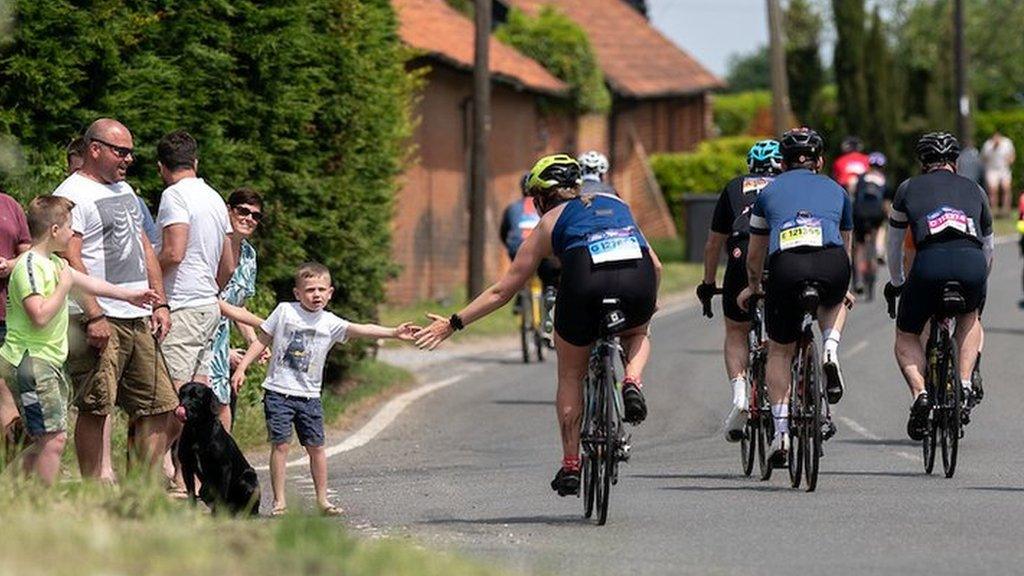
{"x": 856, "y": 427}
{"x": 382, "y": 419}
{"x": 857, "y": 348}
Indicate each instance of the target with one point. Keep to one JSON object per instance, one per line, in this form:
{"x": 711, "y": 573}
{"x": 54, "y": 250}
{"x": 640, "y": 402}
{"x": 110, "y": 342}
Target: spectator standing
{"x": 113, "y": 356}
{"x": 969, "y": 165}
{"x": 998, "y": 155}
{"x": 14, "y": 239}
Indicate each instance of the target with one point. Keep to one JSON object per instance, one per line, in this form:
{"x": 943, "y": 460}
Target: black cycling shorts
{"x": 735, "y": 279}
{"x": 933, "y": 266}
{"x": 828, "y": 267}
{"x": 864, "y": 225}
{"x": 584, "y": 285}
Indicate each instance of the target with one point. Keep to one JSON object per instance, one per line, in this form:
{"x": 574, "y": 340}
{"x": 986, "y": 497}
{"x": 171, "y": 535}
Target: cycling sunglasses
{"x": 243, "y": 212}
{"x": 121, "y": 152}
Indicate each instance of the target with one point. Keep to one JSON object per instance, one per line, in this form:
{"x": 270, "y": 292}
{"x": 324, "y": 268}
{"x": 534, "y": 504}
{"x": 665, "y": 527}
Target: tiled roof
{"x": 442, "y": 32}
{"x": 636, "y": 59}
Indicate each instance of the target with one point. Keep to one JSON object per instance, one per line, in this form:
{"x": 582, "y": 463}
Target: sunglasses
{"x": 121, "y": 152}
{"x": 243, "y": 212}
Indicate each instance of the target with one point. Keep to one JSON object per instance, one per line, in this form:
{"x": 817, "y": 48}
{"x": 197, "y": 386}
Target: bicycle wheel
{"x": 928, "y": 443}
{"x": 811, "y": 437}
{"x": 748, "y": 447}
{"x": 611, "y": 436}
{"x": 951, "y": 409}
{"x": 537, "y": 312}
{"x": 796, "y": 421}
{"x": 524, "y": 326}
{"x": 591, "y": 474}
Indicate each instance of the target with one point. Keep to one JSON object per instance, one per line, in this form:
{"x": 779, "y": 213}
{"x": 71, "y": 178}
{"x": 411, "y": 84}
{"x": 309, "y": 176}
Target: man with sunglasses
{"x": 113, "y": 358}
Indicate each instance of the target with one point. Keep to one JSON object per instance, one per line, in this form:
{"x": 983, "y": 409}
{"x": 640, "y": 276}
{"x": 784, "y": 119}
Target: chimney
{"x": 638, "y": 5}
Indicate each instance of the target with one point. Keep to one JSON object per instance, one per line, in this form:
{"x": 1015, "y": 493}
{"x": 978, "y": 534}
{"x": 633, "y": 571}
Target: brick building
{"x": 431, "y": 222}
{"x": 660, "y": 99}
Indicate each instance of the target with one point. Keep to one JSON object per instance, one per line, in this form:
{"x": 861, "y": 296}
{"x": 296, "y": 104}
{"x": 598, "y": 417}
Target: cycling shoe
{"x": 917, "y": 425}
{"x": 633, "y": 399}
{"x": 566, "y": 482}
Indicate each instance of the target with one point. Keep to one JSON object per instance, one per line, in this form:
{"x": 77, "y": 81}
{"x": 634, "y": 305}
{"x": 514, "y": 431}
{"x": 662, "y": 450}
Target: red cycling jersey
{"x": 848, "y": 167}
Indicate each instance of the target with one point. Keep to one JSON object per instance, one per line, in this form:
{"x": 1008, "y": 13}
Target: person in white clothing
{"x": 113, "y": 356}
{"x": 304, "y": 334}
{"x": 998, "y": 156}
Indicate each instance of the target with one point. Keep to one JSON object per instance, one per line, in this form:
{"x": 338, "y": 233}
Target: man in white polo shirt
{"x": 113, "y": 356}
{"x": 195, "y": 257}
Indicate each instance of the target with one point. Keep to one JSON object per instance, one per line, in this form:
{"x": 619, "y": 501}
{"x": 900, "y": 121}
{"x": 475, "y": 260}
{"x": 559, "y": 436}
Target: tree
{"x": 882, "y": 93}
{"x": 848, "y": 63}
{"x": 803, "y": 62}
{"x": 749, "y": 71}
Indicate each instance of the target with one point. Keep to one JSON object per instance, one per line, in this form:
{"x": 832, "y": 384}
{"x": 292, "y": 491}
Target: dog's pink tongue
{"x": 179, "y": 413}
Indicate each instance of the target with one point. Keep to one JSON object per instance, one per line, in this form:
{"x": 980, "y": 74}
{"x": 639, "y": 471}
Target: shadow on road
{"x": 996, "y": 488}
{"x": 546, "y": 520}
{"x": 524, "y": 402}
{"x": 881, "y": 442}
{"x": 866, "y": 473}
{"x": 750, "y": 487}
{"x": 688, "y": 476}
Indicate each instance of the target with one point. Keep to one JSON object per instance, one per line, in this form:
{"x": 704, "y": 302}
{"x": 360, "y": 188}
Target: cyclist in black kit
{"x": 730, "y": 227}
{"x": 951, "y": 225}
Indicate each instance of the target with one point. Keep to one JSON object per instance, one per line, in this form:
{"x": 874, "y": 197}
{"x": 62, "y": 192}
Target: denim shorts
{"x": 282, "y": 411}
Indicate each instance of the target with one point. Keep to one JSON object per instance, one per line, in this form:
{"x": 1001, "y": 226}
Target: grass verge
{"x": 83, "y": 528}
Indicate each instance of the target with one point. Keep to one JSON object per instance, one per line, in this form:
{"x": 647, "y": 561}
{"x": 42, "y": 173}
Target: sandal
{"x": 331, "y": 510}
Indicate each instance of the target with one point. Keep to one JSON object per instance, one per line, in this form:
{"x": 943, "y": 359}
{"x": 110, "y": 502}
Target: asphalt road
{"x": 467, "y": 467}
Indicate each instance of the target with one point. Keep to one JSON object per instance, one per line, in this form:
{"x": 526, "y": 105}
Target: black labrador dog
{"x": 207, "y": 452}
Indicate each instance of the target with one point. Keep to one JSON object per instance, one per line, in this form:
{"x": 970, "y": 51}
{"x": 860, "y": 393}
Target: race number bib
{"x": 614, "y": 246}
{"x": 946, "y": 218}
{"x": 803, "y": 231}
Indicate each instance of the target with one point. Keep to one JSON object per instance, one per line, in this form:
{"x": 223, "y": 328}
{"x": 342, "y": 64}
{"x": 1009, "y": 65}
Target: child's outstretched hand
{"x": 143, "y": 298}
{"x": 237, "y": 379}
{"x": 406, "y": 331}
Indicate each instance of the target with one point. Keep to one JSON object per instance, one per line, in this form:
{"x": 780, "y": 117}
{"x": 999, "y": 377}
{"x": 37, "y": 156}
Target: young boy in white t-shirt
{"x": 304, "y": 334}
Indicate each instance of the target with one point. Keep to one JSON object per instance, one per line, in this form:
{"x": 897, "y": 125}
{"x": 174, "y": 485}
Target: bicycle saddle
{"x": 953, "y": 298}
{"x": 613, "y": 316}
{"x": 809, "y": 297}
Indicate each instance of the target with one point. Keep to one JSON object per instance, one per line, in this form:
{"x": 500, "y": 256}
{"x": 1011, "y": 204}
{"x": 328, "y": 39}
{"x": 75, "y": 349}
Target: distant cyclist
{"x": 871, "y": 201}
{"x": 604, "y": 255}
{"x": 595, "y": 173}
{"x": 730, "y": 227}
{"x": 851, "y": 163}
{"x": 517, "y": 222}
{"x": 802, "y": 222}
{"x": 951, "y": 225}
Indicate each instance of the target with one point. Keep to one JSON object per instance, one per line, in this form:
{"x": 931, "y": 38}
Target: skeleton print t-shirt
{"x": 302, "y": 340}
{"x": 108, "y": 218}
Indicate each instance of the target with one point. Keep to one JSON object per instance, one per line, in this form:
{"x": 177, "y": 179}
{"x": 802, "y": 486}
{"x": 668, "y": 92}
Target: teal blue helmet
{"x": 765, "y": 157}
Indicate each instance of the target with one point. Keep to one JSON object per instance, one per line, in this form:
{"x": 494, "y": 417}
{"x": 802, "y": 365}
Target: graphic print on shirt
{"x": 299, "y": 351}
{"x": 804, "y": 230}
{"x": 122, "y": 246}
{"x": 946, "y": 218}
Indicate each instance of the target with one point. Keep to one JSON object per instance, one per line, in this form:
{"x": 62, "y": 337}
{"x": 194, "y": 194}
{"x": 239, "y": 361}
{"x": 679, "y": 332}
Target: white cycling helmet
{"x": 593, "y": 162}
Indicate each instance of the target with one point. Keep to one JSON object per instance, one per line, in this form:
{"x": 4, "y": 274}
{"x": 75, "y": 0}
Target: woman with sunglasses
{"x": 245, "y": 212}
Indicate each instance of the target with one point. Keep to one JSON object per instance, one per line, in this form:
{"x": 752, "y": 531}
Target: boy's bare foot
{"x": 328, "y": 509}
{"x": 279, "y": 510}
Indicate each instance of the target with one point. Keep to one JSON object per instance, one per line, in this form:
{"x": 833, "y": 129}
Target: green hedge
{"x": 307, "y": 101}
{"x": 1011, "y": 124}
{"x": 563, "y": 48}
{"x": 705, "y": 170}
{"x": 734, "y": 113}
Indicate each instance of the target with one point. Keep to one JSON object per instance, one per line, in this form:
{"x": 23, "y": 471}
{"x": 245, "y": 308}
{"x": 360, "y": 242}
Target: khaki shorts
{"x": 129, "y": 372}
{"x": 189, "y": 345}
{"x": 40, "y": 391}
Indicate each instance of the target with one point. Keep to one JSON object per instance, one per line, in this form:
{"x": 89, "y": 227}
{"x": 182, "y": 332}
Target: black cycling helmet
{"x": 851, "y": 144}
{"x": 800, "y": 145}
{"x": 937, "y": 147}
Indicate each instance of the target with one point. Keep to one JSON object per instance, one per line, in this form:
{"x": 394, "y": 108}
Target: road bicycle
{"x": 809, "y": 413}
{"x": 602, "y": 437}
{"x": 534, "y": 322}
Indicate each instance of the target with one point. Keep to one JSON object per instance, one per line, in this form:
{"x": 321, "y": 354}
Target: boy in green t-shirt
{"x": 32, "y": 357}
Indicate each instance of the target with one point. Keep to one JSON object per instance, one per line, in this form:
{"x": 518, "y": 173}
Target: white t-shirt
{"x": 997, "y": 154}
{"x": 191, "y": 201}
{"x": 108, "y": 218}
{"x": 302, "y": 340}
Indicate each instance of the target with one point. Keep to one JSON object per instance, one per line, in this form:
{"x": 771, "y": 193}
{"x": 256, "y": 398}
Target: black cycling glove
{"x": 705, "y": 292}
{"x": 891, "y": 294}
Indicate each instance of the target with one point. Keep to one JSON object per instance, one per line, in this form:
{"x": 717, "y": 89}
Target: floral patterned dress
{"x": 240, "y": 288}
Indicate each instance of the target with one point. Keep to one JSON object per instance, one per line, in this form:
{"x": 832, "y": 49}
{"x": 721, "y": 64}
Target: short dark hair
{"x": 76, "y": 147}
{"x": 177, "y": 150}
{"x": 245, "y": 195}
{"x": 46, "y": 211}
{"x": 311, "y": 270}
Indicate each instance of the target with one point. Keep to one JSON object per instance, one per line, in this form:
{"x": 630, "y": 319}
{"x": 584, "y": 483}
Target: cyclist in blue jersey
{"x": 802, "y": 221}
{"x": 604, "y": 255}
{"x": 951, "y": 225}
{"x": 730, "y": 227}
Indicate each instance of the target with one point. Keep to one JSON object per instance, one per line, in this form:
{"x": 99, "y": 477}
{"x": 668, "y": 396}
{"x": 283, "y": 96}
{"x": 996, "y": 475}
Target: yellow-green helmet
{"x": 554, "y": 171}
